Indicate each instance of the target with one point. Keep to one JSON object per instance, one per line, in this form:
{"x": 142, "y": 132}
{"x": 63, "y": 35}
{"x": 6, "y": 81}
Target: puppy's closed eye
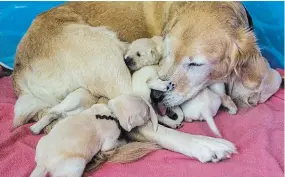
{"x": 138, "y": 54}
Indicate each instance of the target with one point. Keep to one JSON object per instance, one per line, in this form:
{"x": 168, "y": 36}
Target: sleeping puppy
{"x": 100, "y": 130}
{"x": 74, "y": 103}
{"x": 245, "y": 97}
{"x": 204, "y": 106}
{"x": 142, "y": 57}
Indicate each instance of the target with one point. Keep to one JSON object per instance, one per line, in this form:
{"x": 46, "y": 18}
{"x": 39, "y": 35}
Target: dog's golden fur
{"x": 222, "y": 36}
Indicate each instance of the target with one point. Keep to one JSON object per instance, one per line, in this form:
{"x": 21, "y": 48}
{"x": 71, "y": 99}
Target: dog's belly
{"x": 90, "y": 59}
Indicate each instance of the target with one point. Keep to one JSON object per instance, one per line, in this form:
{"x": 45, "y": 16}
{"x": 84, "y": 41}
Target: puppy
{"x": 142, "y": 57}
{"x": 100, "y": 131}
{"x": 204, "y": 106}
{"x": 245, "y": 97}
{"x": 74, "y": 103}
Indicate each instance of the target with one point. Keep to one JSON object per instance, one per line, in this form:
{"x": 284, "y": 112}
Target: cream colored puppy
{"x": 74, "y": 103}
{"x": 100, "y": 130}
{"x": 204, "y": 106}
{"x": 245, "y": 97}
{"x": 142, "y": 57}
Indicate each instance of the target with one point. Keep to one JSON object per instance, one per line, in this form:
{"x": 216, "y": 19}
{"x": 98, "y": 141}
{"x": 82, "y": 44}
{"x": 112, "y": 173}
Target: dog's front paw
{"x": 207, "y": 149}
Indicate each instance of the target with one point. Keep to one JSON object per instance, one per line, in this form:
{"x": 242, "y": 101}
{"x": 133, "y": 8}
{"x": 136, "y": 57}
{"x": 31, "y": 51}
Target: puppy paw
{"x": 232, "y": 111}
{"x": 188, "y": 119}
{"x": 35, "y": 130}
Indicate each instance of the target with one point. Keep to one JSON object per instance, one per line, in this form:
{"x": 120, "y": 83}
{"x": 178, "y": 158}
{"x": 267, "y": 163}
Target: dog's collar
{"x": 108, "y": 118}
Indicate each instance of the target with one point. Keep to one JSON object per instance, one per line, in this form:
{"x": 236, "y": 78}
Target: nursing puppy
{"x": 202, "y": 45}
{"x": 142, "y": 57}
{"x": 64, "y": 152}
{"x": 74, "y": 103}
{"x": 205, "y": 105}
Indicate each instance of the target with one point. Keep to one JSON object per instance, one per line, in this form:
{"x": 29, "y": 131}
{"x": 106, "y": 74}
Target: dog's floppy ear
{"x": 153, "y": 116}
{"x": 246, "y": 59}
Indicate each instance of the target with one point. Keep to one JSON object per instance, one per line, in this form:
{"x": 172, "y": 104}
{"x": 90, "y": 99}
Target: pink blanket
{"x": 257, "y": 132}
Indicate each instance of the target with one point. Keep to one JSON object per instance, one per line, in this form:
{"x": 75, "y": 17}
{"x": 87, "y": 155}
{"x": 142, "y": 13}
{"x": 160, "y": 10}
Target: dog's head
{"x": 197, "y": 54}
{"x": 144, "y": 52}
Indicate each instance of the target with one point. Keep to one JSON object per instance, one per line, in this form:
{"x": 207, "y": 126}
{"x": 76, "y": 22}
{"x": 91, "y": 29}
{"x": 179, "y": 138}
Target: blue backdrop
{"x": 268, "y": 19}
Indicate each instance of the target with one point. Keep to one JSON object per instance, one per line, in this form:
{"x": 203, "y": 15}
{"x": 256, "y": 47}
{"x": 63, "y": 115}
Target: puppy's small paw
{"x": 188, "y": 119}
{"x": 232, "y": 111}
{"x": 35, "y": 130}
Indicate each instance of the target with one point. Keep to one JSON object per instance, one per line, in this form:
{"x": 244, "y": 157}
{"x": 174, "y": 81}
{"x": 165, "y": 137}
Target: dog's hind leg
{"x": 75, "y": 102}
{"x": 25, "y": 108}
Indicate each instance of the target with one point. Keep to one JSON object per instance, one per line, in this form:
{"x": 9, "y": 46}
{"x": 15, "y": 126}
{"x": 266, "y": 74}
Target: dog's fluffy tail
{"x": 39, "y": 171}
{"x": 124, "y": 154}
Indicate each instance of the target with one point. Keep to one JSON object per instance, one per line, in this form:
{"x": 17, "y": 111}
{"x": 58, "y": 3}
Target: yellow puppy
{"x": 65, "y": 152}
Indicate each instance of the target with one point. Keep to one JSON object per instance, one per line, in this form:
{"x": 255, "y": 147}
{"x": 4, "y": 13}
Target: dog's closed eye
{"x": 194, "y": 64}
{"x": 138, "y": 54}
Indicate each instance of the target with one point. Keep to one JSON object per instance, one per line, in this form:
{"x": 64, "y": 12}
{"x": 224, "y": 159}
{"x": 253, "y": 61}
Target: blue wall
{"x": 268, "y": 19}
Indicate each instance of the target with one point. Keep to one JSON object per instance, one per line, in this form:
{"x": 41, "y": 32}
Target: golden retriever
{"x": 204, "y": 42}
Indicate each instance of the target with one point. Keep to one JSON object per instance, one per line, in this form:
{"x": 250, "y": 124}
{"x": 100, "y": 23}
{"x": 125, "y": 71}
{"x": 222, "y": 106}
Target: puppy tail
{"x": 39, "y": 171}
{"x": 125, "y": 154}
{"x": 213, "y": 126}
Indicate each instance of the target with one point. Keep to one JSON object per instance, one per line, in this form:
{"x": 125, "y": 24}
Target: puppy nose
{"x": 128, "y": 60}
{"x": 156, "y": 96}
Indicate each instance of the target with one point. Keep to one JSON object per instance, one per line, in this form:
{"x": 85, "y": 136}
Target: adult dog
{"x": 204, "y": 42}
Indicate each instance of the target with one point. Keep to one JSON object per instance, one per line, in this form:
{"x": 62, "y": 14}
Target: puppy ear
{"x": 118, "y": 110}
{"x": 153, "y": 116}
{"x": 247, "y": 61}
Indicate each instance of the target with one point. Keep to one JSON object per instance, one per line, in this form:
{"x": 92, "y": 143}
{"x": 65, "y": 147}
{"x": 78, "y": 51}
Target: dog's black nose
{"x": 128, "y": 60}
{"x": 156, "y": 96}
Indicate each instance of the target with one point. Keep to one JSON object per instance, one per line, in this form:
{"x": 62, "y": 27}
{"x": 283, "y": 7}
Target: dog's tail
{"x": 39, "y": 171}
{"x": 124, "y": 154}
